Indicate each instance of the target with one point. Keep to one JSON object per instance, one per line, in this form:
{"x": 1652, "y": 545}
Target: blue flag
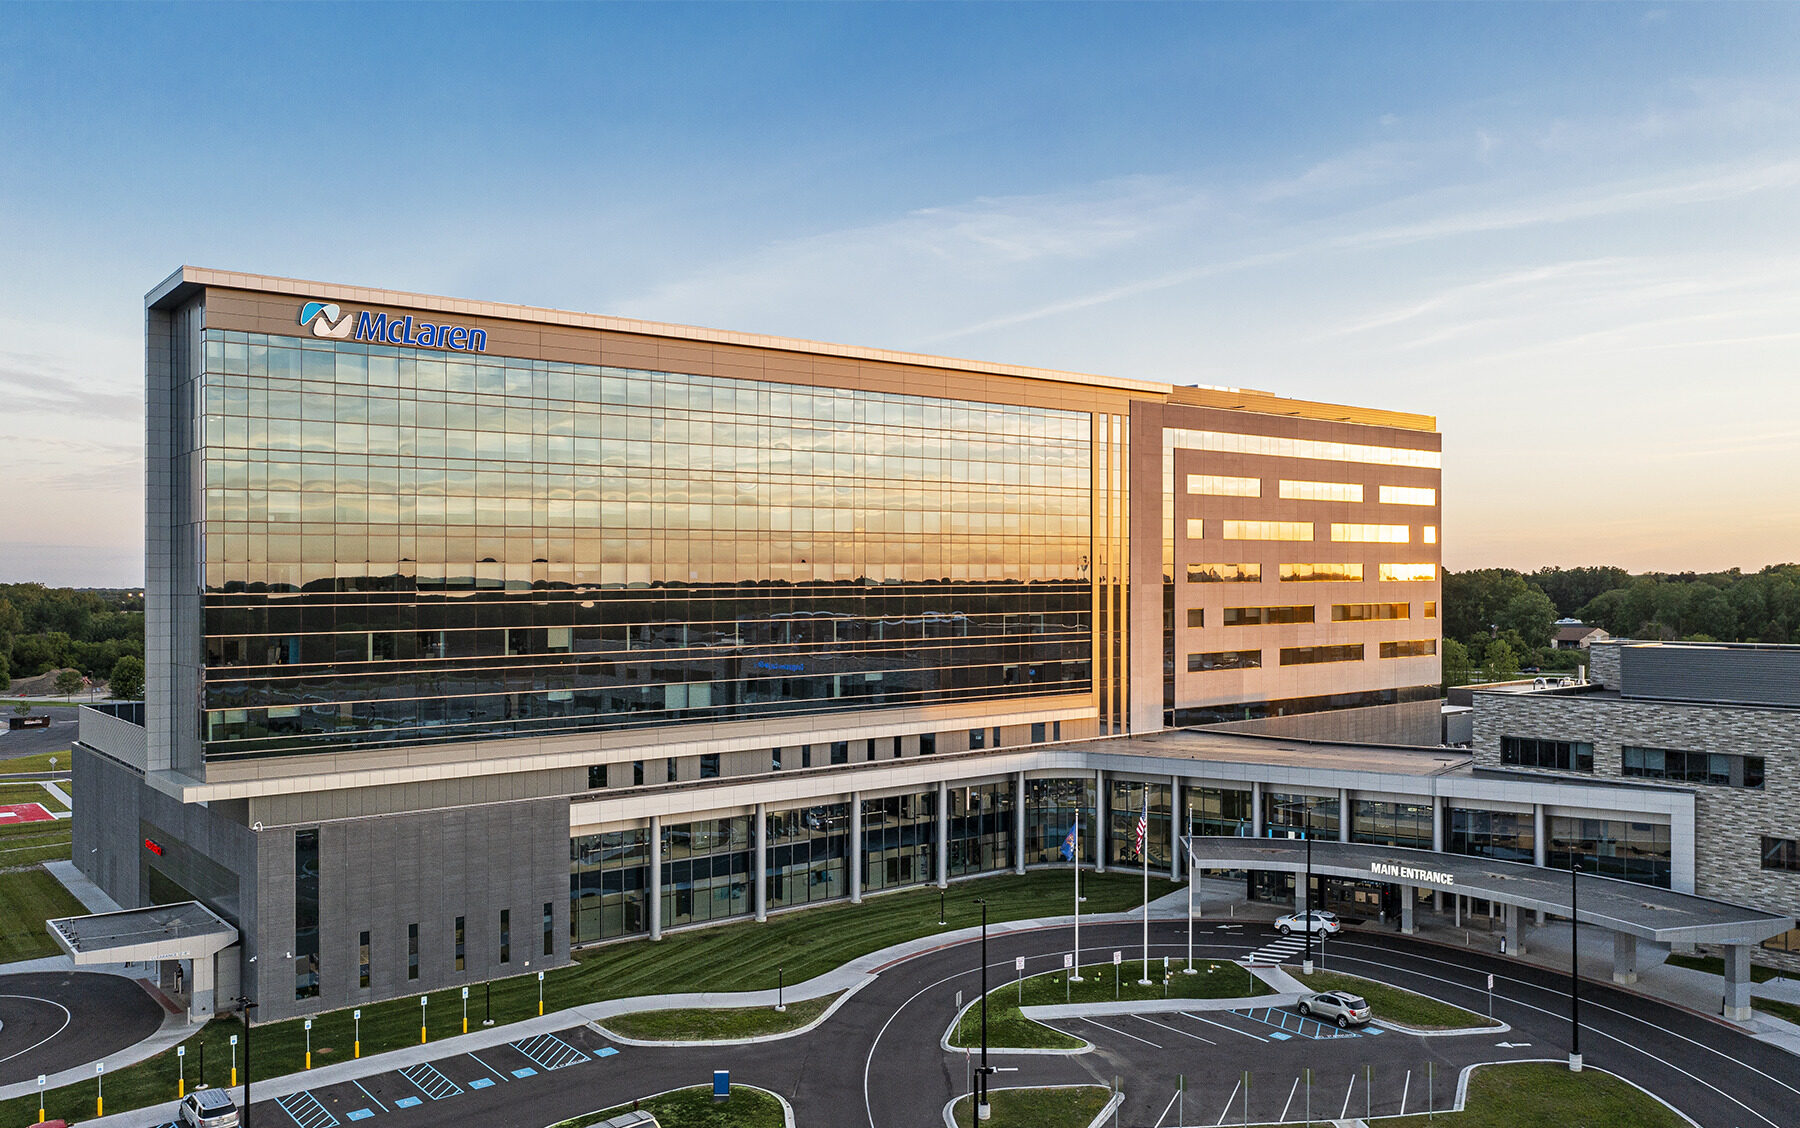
{"x": 1068, "y": 846}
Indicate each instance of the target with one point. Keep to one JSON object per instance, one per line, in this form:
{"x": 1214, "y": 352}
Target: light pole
{"x": 780, "y": 990}
{"x": 245, "y": 1006}
{"x": 1306, "y": 810}
{"x": 982, "y": 1111}
{"x": 1574, "y": 963}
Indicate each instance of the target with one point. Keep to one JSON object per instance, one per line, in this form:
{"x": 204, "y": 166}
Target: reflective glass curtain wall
{"x": 404, "y": 545}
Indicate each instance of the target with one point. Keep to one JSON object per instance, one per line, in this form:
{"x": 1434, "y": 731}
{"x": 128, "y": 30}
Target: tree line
{"x": 99, "y": 633}
{"x": 1499, "y": 622}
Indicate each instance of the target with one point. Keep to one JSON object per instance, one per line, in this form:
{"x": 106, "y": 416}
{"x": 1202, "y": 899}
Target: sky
{"x": 1570, "y": 232}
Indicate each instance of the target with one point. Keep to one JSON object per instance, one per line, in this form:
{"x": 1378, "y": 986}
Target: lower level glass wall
{"x": 808, "y": 854}
{"x": 1289, "y": 815}
{"x": 1051, "y": 807}
{"x": 981, "y": 828}
{"x": 1126, "y": 804}
{"x": 1218, "y": 810}
{"x": 706, "y": 871}
{"x": 1506, "y": 835}
{"x": 899, "y": 840}
{"x": 1635, "y": 851}
{"x": 607, "y": 875}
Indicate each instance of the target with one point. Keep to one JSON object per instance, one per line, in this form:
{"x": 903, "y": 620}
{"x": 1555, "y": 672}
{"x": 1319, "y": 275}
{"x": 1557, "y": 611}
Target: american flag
{"x": 1143, "y": 826}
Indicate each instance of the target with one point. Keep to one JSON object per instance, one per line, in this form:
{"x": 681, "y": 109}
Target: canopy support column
{"x": 1737, "y": 982}
{"x": 1408, "y": 899}
{"x": 1625, "y": 955}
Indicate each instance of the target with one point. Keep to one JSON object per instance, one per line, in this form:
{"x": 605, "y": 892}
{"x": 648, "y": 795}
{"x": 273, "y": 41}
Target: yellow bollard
{"x": 421, "y": 1033}
{"x": 540, "y": 1008}
{"x": 356, "y": 1051}
{"x": 465, "y": 1024}
{"x": 309, "y": 1059}
{"x": 180, "y": 1088}
{"x": 234, "y": 1077}
{"x": 99, "y": 1107}
{"x": 40, "y": 1116}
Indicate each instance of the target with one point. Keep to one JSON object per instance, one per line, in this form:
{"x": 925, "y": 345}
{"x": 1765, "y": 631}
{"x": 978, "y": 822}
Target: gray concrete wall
{"x": 1411, "y": 722}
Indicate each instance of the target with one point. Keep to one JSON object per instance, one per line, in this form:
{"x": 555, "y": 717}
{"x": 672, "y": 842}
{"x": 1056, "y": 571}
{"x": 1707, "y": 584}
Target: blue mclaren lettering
{"x": 377, "y": 327}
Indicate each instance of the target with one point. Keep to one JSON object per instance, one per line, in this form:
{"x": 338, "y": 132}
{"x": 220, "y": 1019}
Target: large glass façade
{"x": 404, "y": 545}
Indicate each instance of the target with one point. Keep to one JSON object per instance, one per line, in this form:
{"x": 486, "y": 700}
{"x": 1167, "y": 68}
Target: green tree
{"x": 68, "y": 682}
{"x": 1456, "y": 663}
{"x": 1502, "y": 663}
{"x": 127, "y": 680}
{"x": 1532, "y": 615}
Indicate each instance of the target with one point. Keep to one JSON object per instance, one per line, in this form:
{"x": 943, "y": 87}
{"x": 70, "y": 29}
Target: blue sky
{"x": 1570, "y": 232}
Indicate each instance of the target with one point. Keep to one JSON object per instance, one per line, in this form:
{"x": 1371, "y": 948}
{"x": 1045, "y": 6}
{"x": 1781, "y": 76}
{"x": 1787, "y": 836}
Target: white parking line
{"x": 1345, "y": 1115}
{"x": 1404, "y": 1089}
{"x": 1122, "y": 1034}
{"x": 1222, "y": 1026}
{"x": 1175, "y": 1029}
{"x": 1234, "y": 1088}
{"x": 1290, "y": 1100}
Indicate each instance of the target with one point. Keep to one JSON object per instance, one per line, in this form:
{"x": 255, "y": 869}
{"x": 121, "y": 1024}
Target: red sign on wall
{"x": 153, "y": 846}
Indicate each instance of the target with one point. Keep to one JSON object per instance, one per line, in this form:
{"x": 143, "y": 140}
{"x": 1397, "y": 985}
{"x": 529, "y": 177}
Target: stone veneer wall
{"x": 1729, "y": 822}
{"x": 1603, "y": 663}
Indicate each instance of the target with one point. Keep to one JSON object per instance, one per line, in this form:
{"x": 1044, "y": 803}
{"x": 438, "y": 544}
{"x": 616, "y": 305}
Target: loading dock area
{"x": 1631, "y": 911}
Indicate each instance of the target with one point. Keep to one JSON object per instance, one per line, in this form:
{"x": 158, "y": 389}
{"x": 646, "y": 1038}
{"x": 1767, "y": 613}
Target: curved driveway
{"x": 54, "y": 1020}
{"x": 878, "y": 1062}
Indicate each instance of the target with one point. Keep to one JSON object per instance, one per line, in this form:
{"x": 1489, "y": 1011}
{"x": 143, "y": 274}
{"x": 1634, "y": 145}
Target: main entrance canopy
{"x": 186, "y": 931}
{"x": 1644, "y": 911}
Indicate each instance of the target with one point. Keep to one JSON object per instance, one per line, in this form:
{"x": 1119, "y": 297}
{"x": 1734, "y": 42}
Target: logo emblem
{"x": 326, "y": 320}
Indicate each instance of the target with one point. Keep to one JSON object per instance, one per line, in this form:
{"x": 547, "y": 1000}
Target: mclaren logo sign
{"x": 1412, "y": 873}
{"x": 325, "y": 319}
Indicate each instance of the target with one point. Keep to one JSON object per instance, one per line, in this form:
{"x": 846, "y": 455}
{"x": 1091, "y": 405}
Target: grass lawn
{"x": 1716, "y": 966}
{"x": 1073, "y": 1107}
{"x": 37, "y": 763}
{"x": 31, "y": 897}
{"x": 1781, "y": 1010}
{"x": 11, "y": 793}
{"x": 733, "y": 957}
{"x": 695, "y": 1025}
{"x": 27, "y": 844}
{"x": 1009, "y": 1028}
{"x": 1391, "y": 1004}
{"x": 694, "y": 1108}
{"x": 1537, "y": 1094}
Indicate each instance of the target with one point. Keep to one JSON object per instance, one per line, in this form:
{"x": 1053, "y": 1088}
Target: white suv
{"x": 208, "y": 1108}
{"x": 1341, "y": 1006}
{"x": 1316, "y": 921}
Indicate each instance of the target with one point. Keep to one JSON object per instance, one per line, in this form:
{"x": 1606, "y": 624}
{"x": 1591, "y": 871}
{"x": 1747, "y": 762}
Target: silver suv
{"x": 1341, "y": 1006}
{"x": 208, "y": 1108}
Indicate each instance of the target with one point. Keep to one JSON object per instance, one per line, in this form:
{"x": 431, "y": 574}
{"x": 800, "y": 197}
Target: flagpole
{"x": 1144, "y": 857}
{"x": 1075, "y": 861}
{"x": 1190, "y": 878}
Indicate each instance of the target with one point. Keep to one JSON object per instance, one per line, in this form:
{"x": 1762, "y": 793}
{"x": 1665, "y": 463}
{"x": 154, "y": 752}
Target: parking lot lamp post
{"x": 1306, "y": 809}
{"x": 1574, "y": 963}
{"x": 982, "y": 1111}
{"x": 780, "y": 990}
{"x": 245, "y": 1006}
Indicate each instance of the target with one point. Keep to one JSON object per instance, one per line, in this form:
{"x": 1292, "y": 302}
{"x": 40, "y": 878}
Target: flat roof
{"x": 1645, "y": 911}
{"x": 1251, "y": 748}
{"x": 184, "y": 929}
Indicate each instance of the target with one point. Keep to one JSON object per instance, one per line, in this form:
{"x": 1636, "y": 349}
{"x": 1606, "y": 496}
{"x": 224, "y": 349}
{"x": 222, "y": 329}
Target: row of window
{"x": 1341, "y": 532}
{"x": 1340, "y": 613}
{"x": 1715, "y": 768}
{"x": 1220, "y": 485}
{"x": 459, "y": 941}
{"x": 1306, "y": 655}
{"x": 1252, "y": 573}
{"x": 1231, "y": 442}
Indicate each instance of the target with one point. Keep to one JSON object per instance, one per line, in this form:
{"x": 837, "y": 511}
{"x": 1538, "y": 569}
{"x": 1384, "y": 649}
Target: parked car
{"x": 208, "y": 1108}
{"x": 1320, "y": 921}
{"x": 1340, "y": 1006}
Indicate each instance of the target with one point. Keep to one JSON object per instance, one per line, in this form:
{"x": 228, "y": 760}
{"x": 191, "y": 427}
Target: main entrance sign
{"x": 1412, "y": 873}
{"x": 325, "y": 319}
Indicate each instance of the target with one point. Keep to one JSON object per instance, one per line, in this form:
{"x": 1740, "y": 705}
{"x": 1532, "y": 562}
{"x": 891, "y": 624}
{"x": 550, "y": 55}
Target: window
{"x": 596, "y": 776}
{"x": 1224, "y": 573}
{"x": 671, "y": 769}
{"x": 927, "y": 743}
{"x": 1196, "y": 528}
{"x": 1258, "y": 616}
{"x": 1196, "y": 617}
{"x": 460, "y": 935}
{"x": 806, "y": 755}
{"x": 869, "y": 753}
{"x": 1561, "y": 755}
{"x": 1431, "y": 610}
{"x": 1233, "y": 442}
{"x": 977, "y": 738}
{"x": 1217, "y": 485}
{"x": 362, "y": 959}
{"x": 1267, "y": 530}
{"x": 637, "y": 773}
{"x": 1781, "y": 854}
{"x": 412, "y": 951}
{"x": 1037, "y": 732}
{"x": 1225, "y": 660}
{"x": 1363, "y": 612}
{"x": 1718, "y": 769}
{"x": 896, "y": 748}
{"x": 1409, "y": 648}
{"x": 549, "y": 928}
{"x": 1372, "y": 534}
{"x": 709, "y": 765}
{"x": 505, "y": 935}
{"x": 840, "y": 751}
{"x": 1408, "y": 495}
{"x": 1407, "y": 573}
{"x": 1788, "y": 941}
{"x": 774, "y": 759}
{"x": 306, "y": 913}
{"x": 1321, "y": 573}
{"x": 1430, "y": 535}
{"x": 1321, "y": 491}
{"x": 1308, "y": 655}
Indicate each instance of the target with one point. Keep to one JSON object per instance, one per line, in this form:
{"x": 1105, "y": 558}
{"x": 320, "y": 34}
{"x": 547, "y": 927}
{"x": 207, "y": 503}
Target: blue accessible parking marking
{"x": 430, "y": 1082}
{"x": 306, "y": 1111}
{"x": 526, "y": 1072}
{"x": 607, "y": 1052}
{"x": 1280, "y": 1037}
{"x": 481, "y": 1082}
{"x": 360, "y": 1114}
{"x": 408, "y": 1102}
{"x": 547, "y": 1051}
{"x": 1296, "y": 1025}
{"x": 1374, "y": 1030}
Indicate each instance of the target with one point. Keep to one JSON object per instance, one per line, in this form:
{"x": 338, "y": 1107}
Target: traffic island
{"x": 1065, "y": 1106}
{"x": 746, "y": 1107}
{"x": 1392, "y": 1006}
{"x": 717, "y": 1024}
{"x": 1536, "y": 1094}
{"x": 1104, "y": 983}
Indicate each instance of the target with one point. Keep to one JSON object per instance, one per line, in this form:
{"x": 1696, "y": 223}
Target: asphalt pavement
{"x": 51, "y": 1021}
{"x": 879, "y": 1060}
